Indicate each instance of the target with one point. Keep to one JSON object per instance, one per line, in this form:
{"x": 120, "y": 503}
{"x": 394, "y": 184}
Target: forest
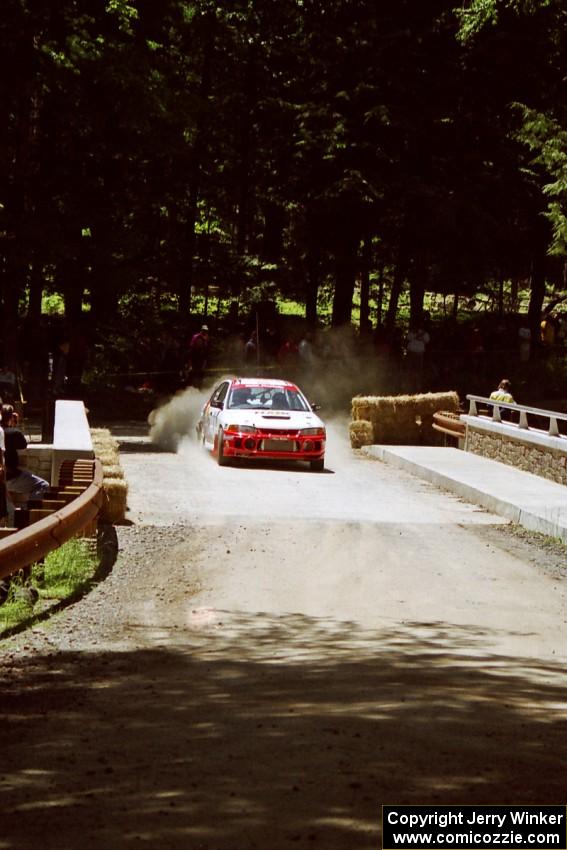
{"x": 161, "y": 157}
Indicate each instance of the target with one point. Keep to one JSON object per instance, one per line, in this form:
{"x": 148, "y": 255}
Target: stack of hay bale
{"x": 106, "y": 450}
{"x": 397, "y": 420}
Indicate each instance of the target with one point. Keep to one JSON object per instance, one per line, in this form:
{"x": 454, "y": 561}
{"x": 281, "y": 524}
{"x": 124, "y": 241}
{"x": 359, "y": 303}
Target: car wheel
{"x": 221, "y": 459}
{"x": 318, "y": 465}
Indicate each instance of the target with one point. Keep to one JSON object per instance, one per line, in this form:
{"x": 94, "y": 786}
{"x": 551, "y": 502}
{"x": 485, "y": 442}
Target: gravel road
{"x": 277, "y": 653}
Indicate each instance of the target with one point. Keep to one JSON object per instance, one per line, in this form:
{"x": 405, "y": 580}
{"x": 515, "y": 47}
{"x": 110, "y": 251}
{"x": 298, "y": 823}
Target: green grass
{"x": 14, "y": 612}
{"x": 66, "y": 574}
{"x": 67, "y": 570}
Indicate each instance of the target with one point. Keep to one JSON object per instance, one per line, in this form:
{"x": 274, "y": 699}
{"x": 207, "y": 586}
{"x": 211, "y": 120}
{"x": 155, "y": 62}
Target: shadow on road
{"x": 269, "y": 733}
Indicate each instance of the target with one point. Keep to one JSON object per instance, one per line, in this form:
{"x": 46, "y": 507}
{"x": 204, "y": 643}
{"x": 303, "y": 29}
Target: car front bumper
{"x": 290, "y": 446}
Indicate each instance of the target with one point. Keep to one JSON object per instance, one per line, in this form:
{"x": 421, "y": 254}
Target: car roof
{"x": 262, "y": 382}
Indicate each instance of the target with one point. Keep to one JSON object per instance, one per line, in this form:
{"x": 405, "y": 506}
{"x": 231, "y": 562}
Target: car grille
{"x": 280, "y": 432}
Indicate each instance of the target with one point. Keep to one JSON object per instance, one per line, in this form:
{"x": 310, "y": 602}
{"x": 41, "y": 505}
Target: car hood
{"x": 276, "y": 419}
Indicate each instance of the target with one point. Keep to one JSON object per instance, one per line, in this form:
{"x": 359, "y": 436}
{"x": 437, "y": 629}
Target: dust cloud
{"x": 175, "y": 420}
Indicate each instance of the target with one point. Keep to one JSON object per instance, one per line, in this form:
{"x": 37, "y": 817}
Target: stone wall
{"x": 38, "y": 459}
{"x": 533, "y": 451}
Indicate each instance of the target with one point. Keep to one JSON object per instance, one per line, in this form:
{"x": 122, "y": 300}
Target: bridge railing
{"x": 522, "y": 411}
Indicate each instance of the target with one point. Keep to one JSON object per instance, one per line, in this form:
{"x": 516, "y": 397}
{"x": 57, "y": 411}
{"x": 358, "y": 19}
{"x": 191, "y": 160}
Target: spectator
{"x": 416, "y": 347}
{"x": 198, "y": 356}
{"x": 18, "y": 481}
{"x": 503, "y": 393}
{"x": 547, "y": 328}
{"x": 305, "y": 349}
{"x": 251, "y": 348}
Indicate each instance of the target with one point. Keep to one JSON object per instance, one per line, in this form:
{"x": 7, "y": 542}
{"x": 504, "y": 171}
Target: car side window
{"x": 220, "y": 394}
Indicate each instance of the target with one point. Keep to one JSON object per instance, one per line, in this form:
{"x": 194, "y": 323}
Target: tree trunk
{"x": 244, "y": 200}
{"x": 396, "y": 291}
{"x": 537, "y": 293}
{"x": 104, "y": 297}
{"x": 366, "y": 261}
{"x": 73, "y": 286}
{"x": 312, "y": 290}
{"x": 380, "y": 294}
{"x": 346, "y": 269}
{"x": 186, "y": 284}
{"x": 417, "y": 294}
{"x": 35, "y": 293}
{"x": 10, "y": 300}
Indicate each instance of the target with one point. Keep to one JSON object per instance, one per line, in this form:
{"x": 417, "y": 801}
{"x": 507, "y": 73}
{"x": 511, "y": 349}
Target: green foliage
{"x": 53, "y": 304}
{"x": 475, "y": 17}
{"x": 547, "y": 139}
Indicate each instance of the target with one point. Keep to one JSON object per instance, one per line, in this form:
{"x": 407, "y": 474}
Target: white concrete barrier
{"x": 71, "y": 436}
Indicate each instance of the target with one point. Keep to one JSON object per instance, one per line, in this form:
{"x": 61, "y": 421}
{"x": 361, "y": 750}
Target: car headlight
{"x": 313, "y": 432}
{"x": 242, "y": 429}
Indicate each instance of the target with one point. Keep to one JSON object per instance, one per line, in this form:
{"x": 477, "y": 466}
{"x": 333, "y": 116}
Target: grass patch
{"x": 66, "y": 574}
{"x": 14, "y": 612}
{"x": 66, "y": 570}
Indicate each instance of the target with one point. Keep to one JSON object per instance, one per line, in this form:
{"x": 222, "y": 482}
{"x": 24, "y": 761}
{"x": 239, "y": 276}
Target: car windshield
{"x": 266, "y": 398}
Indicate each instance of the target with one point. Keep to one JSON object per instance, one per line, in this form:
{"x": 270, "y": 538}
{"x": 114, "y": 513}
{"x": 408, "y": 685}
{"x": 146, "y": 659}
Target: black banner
{"x": 480, "y": 827}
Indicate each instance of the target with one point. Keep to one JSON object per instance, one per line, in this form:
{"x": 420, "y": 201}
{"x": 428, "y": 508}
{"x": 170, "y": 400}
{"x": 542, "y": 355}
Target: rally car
{"x": 261, "y": 418}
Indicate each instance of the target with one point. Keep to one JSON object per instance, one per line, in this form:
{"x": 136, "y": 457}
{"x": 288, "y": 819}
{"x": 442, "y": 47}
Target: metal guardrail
{"x": 449, "y": 423}
{"x": 522, "y": 410}
{"x": 32, "y": 543}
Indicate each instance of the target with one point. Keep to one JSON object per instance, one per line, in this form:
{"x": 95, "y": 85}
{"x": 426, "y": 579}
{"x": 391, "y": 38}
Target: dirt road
{"x": 278, "y": 653}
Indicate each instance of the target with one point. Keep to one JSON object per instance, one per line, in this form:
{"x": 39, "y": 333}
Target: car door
{"x": 216, "y": 406}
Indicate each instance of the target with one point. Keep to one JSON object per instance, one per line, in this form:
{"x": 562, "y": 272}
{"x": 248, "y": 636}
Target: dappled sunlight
{"x": 272, "y": 728}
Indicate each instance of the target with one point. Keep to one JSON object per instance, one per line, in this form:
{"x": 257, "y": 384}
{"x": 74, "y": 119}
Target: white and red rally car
{"x": 261, "y": 418}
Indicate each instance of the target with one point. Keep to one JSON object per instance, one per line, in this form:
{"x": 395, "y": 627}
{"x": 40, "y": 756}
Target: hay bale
{"x": 106, "y": 448}
{"x": 102, "y": 436}
{"x": 113, "y": 470}
{"x": 361, "y": 433}
{"x": 107, "y": 458}
{"x": 402, "y": 419}
{"x": 361, "y": 407}
{"x": 107, "y": 451}
{"x": 115, "y": 504}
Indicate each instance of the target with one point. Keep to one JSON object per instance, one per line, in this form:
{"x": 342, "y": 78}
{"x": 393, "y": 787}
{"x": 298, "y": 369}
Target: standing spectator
{"x": 198, "y": 356}
{"x": 416, "y": 346}
{"x": 287, "y": 352}
{"x": 305, "y": 349}
{"x": 251, "y": 349}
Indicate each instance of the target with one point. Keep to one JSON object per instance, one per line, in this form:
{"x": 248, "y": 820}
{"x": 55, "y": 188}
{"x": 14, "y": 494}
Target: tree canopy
{"x": 291, "y": 146}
